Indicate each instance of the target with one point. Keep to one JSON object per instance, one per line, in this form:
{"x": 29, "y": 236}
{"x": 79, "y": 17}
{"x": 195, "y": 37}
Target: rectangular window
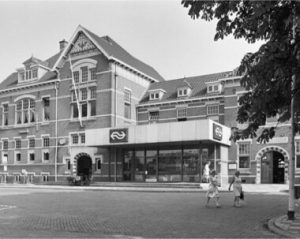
{"x": 46, "y": 141}
{"x": 46, "y": 105}
{"x": 31, "y": 143}
{"x": 82, "y": 138}
{"x": 75, "y": 110}
{"x": 127, "y": 96}
{"x": 84, "y": 74}
{"x": 127, "y": 110}
{"x": 5, "y": 144}
{"x": 93, "y": 107}
{"x": 84, "y": 109}
{"x": 46, "y": 156}
{"x": 181, "y": 113}
{"x": 297, "y": 148}
{"x": 18, "y": 157}
{"x": 84, "y": 94}
{"x": 76, "y": 76}
{"x": 212, "y": 110}
{"x": 34, "y": 73}
{"x": 74, "y": 138}
{"x": 31, "y": 156}
{"x": 5, "y": 114}
{"x": 244, "y": 155}
{"x": 153, "y": 116}
{"x": 93, "y": 74}
{"x": 93, "y": 93}
{"x": 18, "y": 143}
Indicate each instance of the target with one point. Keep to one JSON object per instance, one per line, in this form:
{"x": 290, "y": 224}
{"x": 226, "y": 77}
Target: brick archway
{"x": 74, "y": 171}
{"x": 264, "y": 150}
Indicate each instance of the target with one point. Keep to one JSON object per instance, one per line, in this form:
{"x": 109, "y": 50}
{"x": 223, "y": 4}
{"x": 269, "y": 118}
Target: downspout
{"x": 56, "y": 130}
{"x": 115, "y": 123}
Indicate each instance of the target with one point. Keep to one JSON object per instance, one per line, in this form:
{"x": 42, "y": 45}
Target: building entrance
{"x": 84, "y": 167}
{"x": 272, "y": 167}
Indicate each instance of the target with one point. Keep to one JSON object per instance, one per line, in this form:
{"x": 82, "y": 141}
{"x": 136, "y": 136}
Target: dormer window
{"x": 182, "y": 92}
{"x": 156, "y": 94}
{"x": 214, "y": 88}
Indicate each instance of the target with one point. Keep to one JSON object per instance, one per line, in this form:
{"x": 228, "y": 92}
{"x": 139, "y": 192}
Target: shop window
{"x": 244, "y": 155}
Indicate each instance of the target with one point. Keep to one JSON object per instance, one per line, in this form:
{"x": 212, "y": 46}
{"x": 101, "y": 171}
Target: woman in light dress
{"x": 237, "y": 188}
{"x": 213, "y": 191}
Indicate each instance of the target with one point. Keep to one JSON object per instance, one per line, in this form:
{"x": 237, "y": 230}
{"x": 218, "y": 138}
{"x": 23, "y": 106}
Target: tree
{"x": 269, "y": 75}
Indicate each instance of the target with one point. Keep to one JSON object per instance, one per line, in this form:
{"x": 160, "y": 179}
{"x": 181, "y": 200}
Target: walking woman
{"x": 237, "y": 188}
{"x": 213, "y": 191}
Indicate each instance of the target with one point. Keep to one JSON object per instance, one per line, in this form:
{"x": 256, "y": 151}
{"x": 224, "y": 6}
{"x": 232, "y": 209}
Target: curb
{"x": 272, "y": 226}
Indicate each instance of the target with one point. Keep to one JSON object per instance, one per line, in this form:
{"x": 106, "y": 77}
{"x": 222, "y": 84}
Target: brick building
{"x": 117, "y": 119}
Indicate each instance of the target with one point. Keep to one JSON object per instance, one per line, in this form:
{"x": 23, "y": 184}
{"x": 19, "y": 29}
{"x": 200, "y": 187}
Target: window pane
{"x": 127, "y": 111}
{"x": 191, "y": 165}
{"x": 83, "y": 94}
{"x": 93, "y": 74}
{"x": 93, "y": 107}
{"x": 244, "y": 162}
{"x": 76, "y": 76}
{"x": 75, "y": 111}
{"x": 84, "y": 110}
{"x": 84, "y": 72}
{"x": 46, "y": 156}
{"x": 93, "y": 93}
{"x": 298, "y": 161}
{"x": 169, "y": 165}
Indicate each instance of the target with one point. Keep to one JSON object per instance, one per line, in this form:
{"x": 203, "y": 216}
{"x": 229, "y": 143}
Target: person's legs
{"x": 217, "y": 202}
{"x": 207, "y": 202}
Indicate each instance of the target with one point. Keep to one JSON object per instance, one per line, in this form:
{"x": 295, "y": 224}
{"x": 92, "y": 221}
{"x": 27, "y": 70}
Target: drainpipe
{"x": 115, "y": 123}
{"x": 56, "y": 126}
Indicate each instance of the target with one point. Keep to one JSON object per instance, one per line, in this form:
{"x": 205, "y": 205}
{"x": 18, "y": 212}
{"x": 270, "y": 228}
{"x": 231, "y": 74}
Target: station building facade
{"x": 94, "y": 109}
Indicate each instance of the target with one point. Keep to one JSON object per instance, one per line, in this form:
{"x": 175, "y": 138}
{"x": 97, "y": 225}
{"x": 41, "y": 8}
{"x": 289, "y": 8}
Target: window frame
{"x": 245, "y": 153}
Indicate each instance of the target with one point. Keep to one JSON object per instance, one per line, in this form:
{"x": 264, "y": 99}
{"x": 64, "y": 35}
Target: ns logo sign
{"x": 217, "y": 132}
{"x": 118, "y": 135}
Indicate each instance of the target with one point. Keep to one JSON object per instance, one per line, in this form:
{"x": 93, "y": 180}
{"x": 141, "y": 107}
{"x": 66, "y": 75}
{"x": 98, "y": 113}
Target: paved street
{"x": 80, "y": 213}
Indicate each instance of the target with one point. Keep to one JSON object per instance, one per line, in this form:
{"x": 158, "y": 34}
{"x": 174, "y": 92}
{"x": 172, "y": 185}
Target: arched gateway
{"x": 83, "y": 165}
{"x": 272, "y": 165}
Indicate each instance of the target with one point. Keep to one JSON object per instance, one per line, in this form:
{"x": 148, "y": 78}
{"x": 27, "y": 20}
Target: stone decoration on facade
{"x": 82, "y": 44}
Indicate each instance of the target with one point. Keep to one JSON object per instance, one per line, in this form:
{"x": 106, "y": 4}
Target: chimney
{"x": 62, "y": 44}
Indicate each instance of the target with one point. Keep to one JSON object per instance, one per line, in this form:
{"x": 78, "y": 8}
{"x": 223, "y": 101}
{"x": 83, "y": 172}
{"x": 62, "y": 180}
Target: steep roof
{"x": 12, "y": 80}
{"x": 114, "y": 50}
{"x": 196, "y": 83}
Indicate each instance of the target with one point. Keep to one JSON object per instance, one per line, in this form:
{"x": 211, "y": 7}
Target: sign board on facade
{"x": 118, "y": 135}
{"x": 232, "y": 166}
{"x": 217, "y": 132}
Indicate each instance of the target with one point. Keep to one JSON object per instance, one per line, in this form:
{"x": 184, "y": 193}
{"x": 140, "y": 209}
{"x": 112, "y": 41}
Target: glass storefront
{"x": 174, "y": 164}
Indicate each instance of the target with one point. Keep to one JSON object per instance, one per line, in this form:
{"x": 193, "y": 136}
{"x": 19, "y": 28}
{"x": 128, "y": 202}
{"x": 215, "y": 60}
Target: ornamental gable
{"x": 82, "y": 45}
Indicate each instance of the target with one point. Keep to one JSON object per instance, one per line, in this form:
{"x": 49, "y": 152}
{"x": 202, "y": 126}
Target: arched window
{"x": 25, "y": 111}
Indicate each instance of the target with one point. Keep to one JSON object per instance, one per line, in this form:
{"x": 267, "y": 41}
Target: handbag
{"x": 242, "y": 195}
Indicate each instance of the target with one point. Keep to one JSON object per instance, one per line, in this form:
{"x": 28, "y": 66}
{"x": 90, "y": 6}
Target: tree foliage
{"x": 266, "y": 74}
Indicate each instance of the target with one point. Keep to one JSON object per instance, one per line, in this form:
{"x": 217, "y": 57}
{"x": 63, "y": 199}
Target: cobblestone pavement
{"x": 78, "y": 213}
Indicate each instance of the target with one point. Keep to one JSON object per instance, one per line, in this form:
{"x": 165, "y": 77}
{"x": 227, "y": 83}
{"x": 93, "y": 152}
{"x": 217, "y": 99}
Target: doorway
{"x": 84, "y": 168}
{"x": 272, "y": 168}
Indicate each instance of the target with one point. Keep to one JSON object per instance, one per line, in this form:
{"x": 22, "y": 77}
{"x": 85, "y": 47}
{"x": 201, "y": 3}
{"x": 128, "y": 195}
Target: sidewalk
{"x": 156, "y": 187}
{"x": 284, "y": 227}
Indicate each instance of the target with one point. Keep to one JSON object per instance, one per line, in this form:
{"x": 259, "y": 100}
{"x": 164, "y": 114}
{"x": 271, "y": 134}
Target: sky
{"x": 157, "y": 32}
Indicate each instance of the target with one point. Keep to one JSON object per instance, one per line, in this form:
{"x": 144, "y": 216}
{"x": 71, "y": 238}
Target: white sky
{"x": 158, "y": 32}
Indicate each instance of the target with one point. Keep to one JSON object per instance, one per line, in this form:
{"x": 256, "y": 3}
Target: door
{"x": 278, "y": 168}
{"x": 151, "y": 166}
{"x": 267, "y": 168}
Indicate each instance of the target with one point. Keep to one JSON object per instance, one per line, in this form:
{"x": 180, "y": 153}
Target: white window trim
{"x": 211, "y": 106}
{"x": 45, "y": 96}
{"x": 4, "y": 139}
{"x": 43, "y": 158}
{"x": 238, "y": 154}
{"x": 79, "y": 138}
{"x": 28, "y": 156}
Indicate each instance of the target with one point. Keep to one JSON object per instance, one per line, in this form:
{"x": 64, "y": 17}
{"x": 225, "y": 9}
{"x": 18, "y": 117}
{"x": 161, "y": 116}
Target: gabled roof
{"x": 35, "y": 60}
{"x": 196, "y": 83}
{"x": 113, "y": 51}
